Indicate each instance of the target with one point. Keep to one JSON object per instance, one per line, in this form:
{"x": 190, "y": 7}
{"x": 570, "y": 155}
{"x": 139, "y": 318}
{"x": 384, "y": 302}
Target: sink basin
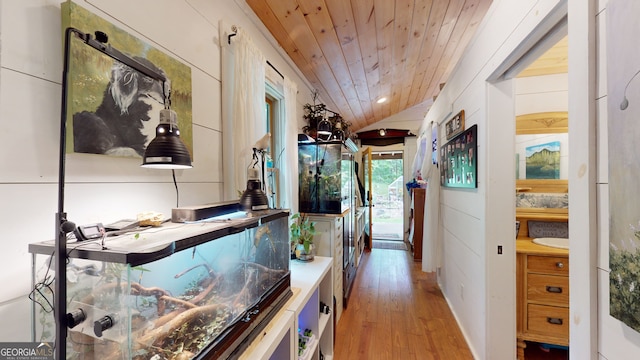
{"x": 560, "y": 243}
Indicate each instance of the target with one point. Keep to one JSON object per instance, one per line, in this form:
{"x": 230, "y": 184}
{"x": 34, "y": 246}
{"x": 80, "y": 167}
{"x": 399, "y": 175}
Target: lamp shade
{"x": 253, "y": 198}
{"x": 324, "y": 129}
{"x": 167, "y": 151}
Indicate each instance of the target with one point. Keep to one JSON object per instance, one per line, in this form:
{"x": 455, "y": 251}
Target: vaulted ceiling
{"x": 354, "y": 52}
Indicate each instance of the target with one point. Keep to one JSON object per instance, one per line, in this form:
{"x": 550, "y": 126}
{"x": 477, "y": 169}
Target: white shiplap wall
{"x": 100, "y": 188}
{"x": 478, "y": 283}
{"x": 466, "y": 220}
{"x": 542, "y": 94}
{"x": 616, "y": 341}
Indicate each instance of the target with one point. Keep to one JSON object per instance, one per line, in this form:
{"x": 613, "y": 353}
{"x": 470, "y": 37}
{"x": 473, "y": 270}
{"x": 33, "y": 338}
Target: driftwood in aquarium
{"x": 159, "y": 334}
{"x": 191, "y": 303}
{"x": 179, "y": 332}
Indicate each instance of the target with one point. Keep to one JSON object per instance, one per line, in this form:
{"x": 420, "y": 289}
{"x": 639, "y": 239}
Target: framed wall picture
{"x": 543, "y": 161}
{"x": 112, "y": 108}
{"x": 455, "y": 126}
{"x": 458, "y": 160}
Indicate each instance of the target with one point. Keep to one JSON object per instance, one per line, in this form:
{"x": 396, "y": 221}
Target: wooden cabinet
{"x": 417, "y": 222}
{"x": 542, "y": 295}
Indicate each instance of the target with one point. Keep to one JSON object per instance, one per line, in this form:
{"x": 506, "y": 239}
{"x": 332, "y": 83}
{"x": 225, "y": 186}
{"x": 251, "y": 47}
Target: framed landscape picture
{"x": 543, "y": 161}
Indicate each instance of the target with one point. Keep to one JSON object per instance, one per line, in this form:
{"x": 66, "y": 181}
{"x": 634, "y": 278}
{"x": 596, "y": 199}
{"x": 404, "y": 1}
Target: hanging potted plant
{"x": 302, "y": 232}
{"x": 313, "y": 114}
{"x": 316, "y": 112}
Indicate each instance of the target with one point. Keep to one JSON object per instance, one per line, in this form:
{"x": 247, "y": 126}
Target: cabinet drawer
{"x": 548, "y": 320}
{"x": 338, "y": 235}
{"x": 549, "y": 289}
{"x": 338, "y": 256}
{"x": 555, "y": 265}
{"x": 338, "y": 223}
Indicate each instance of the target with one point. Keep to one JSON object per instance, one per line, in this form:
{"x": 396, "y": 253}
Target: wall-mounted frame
{"x": 454, "y": 126}
{"x": 458, "y": 160}
{"x": 113, "y": 109}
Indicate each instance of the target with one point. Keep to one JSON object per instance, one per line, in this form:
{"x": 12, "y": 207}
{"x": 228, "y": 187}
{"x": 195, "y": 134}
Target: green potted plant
{"x": 302, "y": 232}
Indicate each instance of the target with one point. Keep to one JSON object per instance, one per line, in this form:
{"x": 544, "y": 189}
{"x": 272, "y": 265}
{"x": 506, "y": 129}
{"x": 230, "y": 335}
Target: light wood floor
{"x": 396, "y": 311}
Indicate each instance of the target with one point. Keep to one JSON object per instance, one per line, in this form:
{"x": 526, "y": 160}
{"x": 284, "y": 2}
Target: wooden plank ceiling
{"x": 553, "y": 61}
{"x": 356, "y": 52}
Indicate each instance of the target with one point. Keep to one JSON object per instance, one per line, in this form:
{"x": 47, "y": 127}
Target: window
{"x": 274, "y": 111}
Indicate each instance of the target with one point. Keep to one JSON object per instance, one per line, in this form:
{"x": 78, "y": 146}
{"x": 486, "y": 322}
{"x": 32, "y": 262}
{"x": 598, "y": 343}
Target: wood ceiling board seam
{"x": 344, "y": 22}
{"x": 460, "y": 32}
{"x": 384, "y": 15}
{"x": 419, "y": 25}
{"x": 290, "y": 15}
{"x": 402, "y": 32}
{"x": 366, "y": 30}
{"x": 282, "y": 36}
{"x": 472, "y": 27}
{"x": 436, "y": 17}
{"x": 320, "y": 23}
{"x": 446, "y": 30}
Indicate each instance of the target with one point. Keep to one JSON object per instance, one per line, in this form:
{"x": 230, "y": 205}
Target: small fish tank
{"x": 197, "y": 290}
{"x": 325, "y": 175}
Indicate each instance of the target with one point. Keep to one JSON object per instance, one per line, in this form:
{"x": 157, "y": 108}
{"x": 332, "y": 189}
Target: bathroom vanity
{"x": 542, "y": 284}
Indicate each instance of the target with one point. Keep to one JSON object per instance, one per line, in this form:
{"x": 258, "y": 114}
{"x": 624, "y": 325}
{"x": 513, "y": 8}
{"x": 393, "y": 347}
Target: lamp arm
{"x": 99, "y": 43}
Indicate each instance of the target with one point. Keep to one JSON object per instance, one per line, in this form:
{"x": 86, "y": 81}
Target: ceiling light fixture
{"x": 381, "y": 100}
{"x": 382, "y": 132}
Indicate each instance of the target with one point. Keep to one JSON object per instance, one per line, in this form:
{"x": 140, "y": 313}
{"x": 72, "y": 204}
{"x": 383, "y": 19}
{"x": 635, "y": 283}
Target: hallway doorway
{"x": 387, "y": 190}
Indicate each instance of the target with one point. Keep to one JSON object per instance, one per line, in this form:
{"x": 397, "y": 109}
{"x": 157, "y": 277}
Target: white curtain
{"x": 431, "y": 243}
{"x": 289, "y": 167}
{"x": 416, "y": 166}
{"x": 244, "y": 123}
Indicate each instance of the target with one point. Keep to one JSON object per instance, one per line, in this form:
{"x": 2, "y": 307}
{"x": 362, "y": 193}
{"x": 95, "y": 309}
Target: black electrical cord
{"x": 38, "y": 288}
{"x": 175, "y": 183}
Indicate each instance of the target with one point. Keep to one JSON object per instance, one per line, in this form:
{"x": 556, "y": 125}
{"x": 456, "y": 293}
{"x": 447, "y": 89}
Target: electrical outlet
{"x": 462, "y": 291}
{"x": 499, "y": 249}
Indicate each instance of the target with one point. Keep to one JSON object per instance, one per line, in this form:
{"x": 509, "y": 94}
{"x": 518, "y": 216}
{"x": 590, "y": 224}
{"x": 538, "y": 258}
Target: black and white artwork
{"x": 113, "y": 109}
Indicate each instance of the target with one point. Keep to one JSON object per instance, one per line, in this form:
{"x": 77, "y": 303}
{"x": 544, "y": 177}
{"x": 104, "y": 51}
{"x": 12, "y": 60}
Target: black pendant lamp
{"x": 167, "y": 151}
{"x": 253, "y": 198}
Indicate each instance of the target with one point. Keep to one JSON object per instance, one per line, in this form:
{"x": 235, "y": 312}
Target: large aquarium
{"x": 325, "y": 177}
{"x": 180, "y": 291}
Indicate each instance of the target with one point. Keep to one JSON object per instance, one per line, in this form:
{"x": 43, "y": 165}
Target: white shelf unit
{"x": 277, "y": 340}
{"x": 315, "y": 281}
{"x": 311, "y": 282}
